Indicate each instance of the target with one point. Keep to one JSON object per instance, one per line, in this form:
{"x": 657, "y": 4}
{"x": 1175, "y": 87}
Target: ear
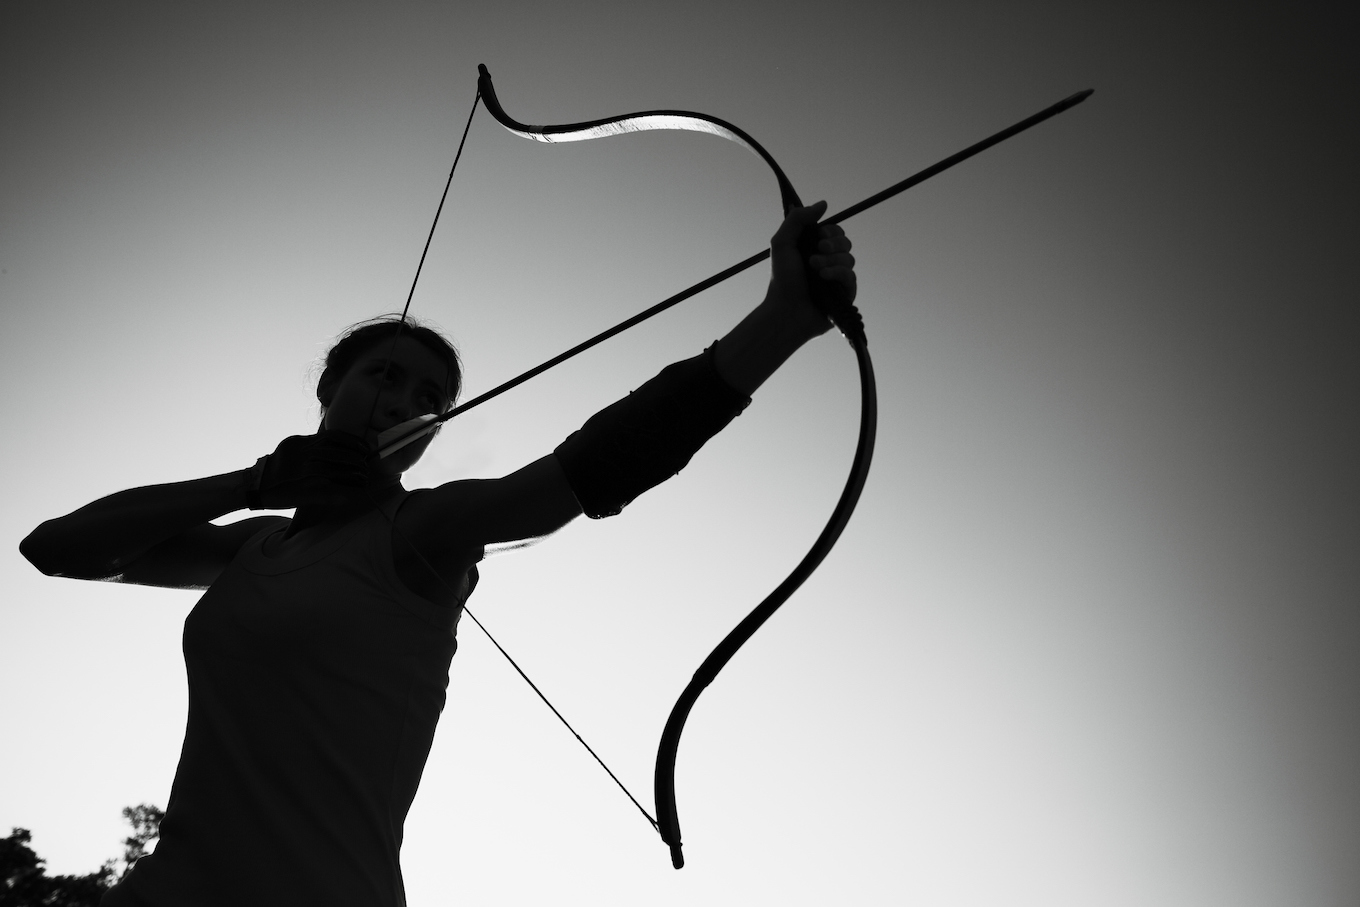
{"x": 325, "y": 390}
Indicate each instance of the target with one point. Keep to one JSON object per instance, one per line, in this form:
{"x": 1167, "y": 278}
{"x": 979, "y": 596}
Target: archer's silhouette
{"x": 318, "y": 657}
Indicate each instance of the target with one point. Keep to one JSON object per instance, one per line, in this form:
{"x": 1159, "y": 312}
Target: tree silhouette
{"x": 145, "y": 820}
{"x": 27, "y": 884}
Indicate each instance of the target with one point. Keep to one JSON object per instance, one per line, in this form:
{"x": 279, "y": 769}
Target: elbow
{"x": 39, "y": 552}
{"x": 50, "y": 555}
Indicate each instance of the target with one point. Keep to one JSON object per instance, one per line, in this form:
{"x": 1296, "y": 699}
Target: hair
{"x": 362, "y": 337}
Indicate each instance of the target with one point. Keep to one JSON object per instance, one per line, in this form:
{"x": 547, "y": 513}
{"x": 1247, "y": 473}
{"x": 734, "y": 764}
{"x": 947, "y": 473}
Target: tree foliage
{"x": 27, "y": 884}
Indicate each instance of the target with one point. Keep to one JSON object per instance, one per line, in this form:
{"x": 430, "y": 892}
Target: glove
{"x": 307, "y": 468}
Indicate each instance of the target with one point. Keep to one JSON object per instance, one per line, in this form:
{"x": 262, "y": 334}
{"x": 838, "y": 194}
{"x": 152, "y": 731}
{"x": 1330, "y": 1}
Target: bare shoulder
{"x": 194, "y": 559}
{"x": 529, "y": 503}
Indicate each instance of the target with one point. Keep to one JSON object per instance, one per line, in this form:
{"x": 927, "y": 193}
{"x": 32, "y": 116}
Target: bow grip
{"x": 844, "y": 315}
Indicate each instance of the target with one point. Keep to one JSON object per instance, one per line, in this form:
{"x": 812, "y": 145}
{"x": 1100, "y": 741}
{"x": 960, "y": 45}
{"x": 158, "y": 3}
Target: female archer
{"x": 318, "y": 657}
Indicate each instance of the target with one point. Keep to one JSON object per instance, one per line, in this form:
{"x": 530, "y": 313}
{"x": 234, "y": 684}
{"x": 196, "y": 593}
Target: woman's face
{"x": 376, "y": 394}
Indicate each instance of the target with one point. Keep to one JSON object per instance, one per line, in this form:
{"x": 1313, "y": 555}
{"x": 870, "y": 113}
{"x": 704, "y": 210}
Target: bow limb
{"x": 668, "y": 823}
{"x": 643, "y": 121}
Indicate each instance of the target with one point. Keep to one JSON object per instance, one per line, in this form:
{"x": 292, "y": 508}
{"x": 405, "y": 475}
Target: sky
{"x": 1091, "y": 635}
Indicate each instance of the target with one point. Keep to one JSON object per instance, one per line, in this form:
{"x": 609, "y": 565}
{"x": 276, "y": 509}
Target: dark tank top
{"x": 316, "y": 680}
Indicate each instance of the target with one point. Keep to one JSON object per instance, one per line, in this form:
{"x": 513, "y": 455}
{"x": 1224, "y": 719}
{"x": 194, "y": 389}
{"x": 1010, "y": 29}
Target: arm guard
{"x": 648, "y": 436}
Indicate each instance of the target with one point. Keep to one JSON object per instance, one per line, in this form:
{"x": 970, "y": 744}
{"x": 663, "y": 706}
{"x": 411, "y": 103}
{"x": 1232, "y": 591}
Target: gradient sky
{"x": 1092, "y": 635}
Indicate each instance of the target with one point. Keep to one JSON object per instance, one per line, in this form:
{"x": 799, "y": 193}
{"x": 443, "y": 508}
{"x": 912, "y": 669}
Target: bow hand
{"x": 807, "y": 280}
{"x": 812, "y": 276}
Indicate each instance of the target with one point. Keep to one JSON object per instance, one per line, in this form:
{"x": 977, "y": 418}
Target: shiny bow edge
{"x": 642, "y": 121}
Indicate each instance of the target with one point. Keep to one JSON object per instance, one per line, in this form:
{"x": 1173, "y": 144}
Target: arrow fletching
{"x": 398, "y": 436}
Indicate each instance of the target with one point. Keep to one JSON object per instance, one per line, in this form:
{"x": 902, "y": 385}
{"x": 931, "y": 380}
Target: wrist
{"x": 762, "y": 342}
{"x": 246, "y": 492}
{"x": 796, "y": 317}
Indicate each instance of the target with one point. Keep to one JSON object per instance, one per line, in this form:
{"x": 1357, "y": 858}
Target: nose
{"x": 397, "y": 407}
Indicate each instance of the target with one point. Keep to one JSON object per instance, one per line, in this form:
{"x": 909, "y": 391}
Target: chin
{"x": 388, "y": 468}
{"x": 398, "y": 463}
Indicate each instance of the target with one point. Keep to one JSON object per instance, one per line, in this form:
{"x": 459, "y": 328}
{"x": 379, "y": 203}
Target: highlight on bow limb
{"x": 643, "y": 121}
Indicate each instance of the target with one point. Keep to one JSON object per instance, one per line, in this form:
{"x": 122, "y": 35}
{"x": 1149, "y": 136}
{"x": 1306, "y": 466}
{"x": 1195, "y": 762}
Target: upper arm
{"x": 194, "y": 559}
{"x": 529, "y": 503}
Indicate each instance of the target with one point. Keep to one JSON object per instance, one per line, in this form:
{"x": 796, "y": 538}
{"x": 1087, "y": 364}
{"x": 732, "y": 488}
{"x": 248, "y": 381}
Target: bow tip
{"x": 677, "y": 858}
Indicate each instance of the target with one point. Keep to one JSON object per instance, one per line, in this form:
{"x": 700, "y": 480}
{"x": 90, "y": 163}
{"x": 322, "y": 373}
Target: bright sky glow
{"x": 1092, "y": 635}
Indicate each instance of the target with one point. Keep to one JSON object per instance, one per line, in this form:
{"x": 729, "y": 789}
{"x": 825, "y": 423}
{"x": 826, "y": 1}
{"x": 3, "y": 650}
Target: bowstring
{"x": 392, "y": 523}
{"x": 401, "y": 323}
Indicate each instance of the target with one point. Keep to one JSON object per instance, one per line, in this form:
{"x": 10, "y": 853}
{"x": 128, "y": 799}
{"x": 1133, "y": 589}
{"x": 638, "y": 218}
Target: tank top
{"x": 316, "y": 680}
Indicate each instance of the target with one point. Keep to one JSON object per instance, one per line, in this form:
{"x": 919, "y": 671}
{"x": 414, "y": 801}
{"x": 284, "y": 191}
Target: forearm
{"x": 755, "y": 349}
{"x": 102, "y": 537}
{"x": 648, "y": 436}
